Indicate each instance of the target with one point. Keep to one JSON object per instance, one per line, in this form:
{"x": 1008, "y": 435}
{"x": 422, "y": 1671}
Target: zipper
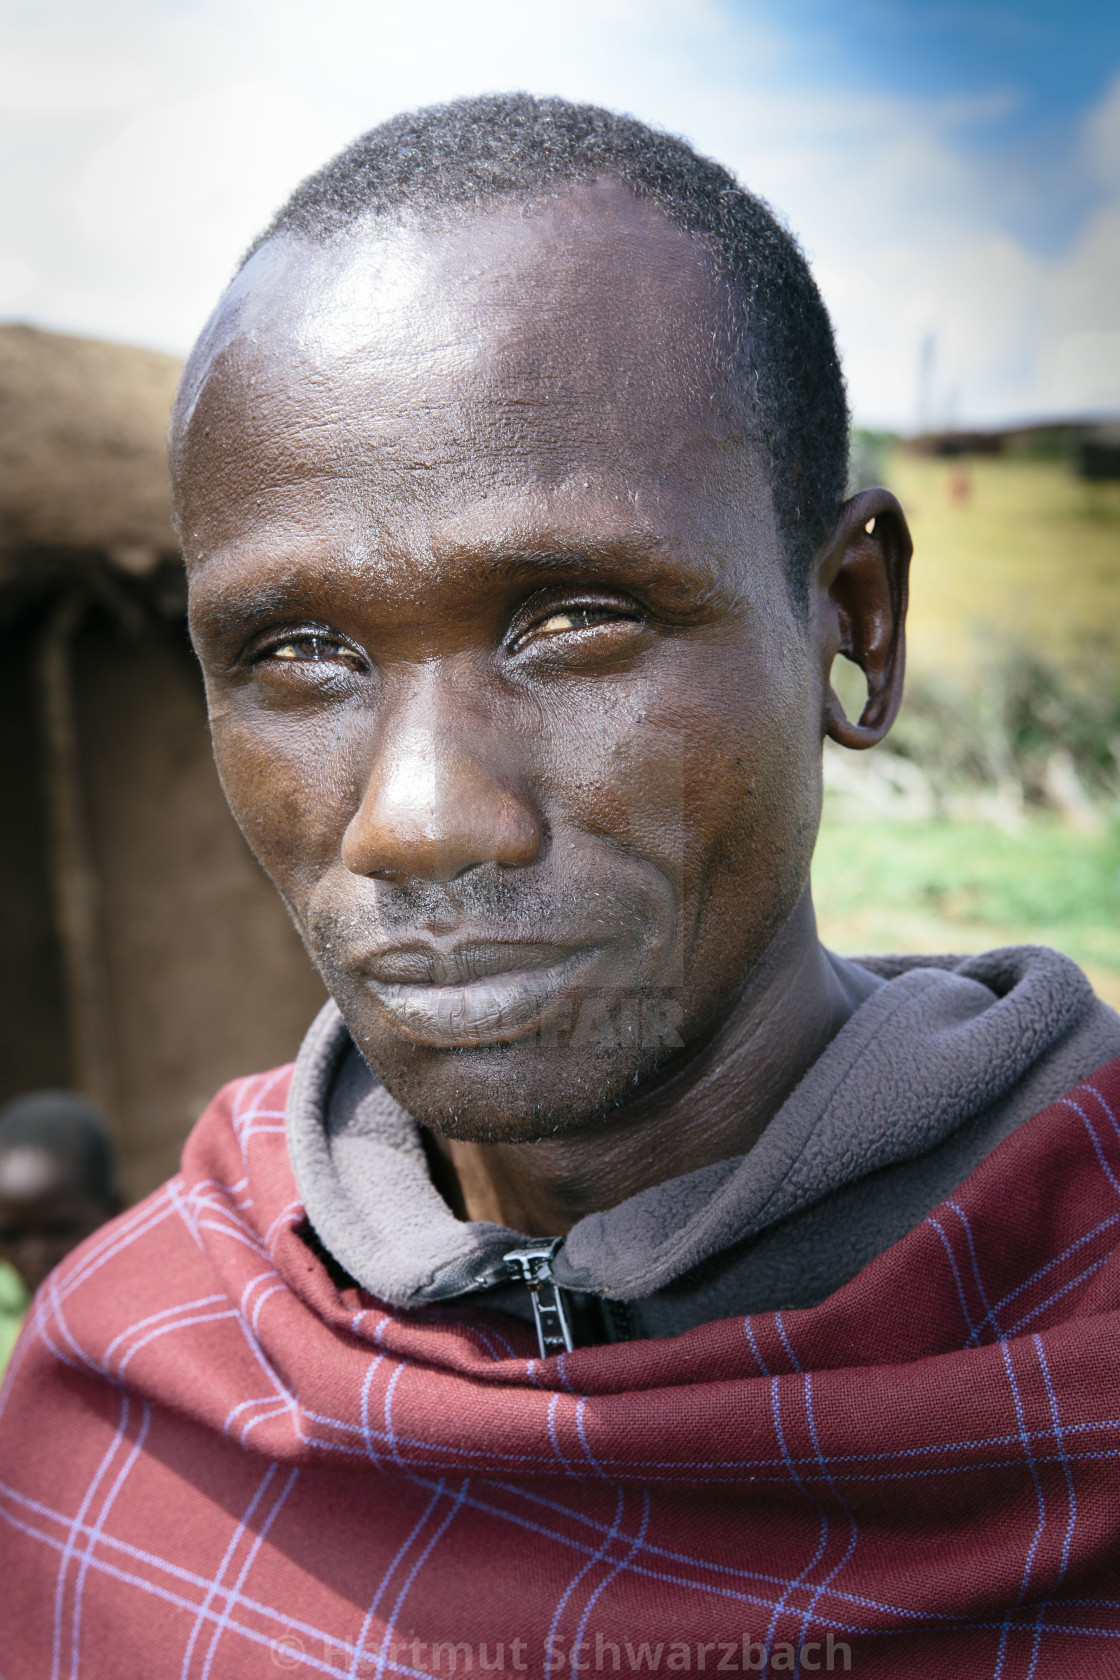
{"x": 533, "y": 1268}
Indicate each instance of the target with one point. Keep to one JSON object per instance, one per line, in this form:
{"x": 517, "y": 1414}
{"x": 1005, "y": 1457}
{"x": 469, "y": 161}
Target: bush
{"x": 1050, "y": 732}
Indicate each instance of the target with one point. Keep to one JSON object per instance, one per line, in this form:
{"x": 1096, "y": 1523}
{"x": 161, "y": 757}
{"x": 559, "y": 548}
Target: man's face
{"x": 45, "y": 1210}
{"x": 507, "y": 692}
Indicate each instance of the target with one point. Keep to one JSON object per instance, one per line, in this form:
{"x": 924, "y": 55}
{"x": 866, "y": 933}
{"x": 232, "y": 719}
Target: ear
{"x": 860, "y": 601}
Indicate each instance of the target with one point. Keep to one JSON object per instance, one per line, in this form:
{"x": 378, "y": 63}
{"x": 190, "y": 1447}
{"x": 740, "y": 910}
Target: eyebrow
{"x": 555, "y": 546}
{"x": 227, "y": 607}
{"x": 537, "y": 560}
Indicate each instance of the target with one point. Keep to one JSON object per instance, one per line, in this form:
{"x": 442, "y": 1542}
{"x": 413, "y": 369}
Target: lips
{"x": 461, "y": 964}
{"x": 474, "y": 993}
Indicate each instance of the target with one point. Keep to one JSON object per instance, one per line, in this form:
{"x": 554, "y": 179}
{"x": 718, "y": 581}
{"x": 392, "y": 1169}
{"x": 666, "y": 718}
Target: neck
{"x": 714, "y": 1105}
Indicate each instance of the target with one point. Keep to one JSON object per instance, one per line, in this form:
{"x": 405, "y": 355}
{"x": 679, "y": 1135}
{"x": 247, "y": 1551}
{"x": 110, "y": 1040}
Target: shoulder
{"x": 114, "y": 1311}
{"x": 240, "y": 1130}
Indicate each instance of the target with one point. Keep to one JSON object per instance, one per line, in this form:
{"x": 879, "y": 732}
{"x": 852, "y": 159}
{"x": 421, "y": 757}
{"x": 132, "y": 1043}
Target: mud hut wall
{"x": 201, "y": 974}
{"x": 33, "y": 1043}
{"x": 204, "y": 975}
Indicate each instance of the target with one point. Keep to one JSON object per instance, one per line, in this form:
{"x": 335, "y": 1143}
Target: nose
{"x": 442, "y": 801}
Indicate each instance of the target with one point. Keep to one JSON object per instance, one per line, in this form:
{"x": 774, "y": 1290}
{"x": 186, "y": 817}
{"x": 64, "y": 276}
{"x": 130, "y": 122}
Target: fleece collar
{"x": 942, "y": 1049}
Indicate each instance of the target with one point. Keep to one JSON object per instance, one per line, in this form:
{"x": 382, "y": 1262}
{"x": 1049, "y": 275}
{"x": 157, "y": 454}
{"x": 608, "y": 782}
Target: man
{"x": 57, "y": 1185}
{"x": 619, "y": 1282}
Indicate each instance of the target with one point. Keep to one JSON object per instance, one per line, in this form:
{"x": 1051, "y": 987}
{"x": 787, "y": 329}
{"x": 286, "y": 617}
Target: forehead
{"x": 536, "y": 353}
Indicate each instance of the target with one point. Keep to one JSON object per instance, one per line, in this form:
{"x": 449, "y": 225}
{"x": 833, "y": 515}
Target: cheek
{"x": 291, "y": 786}
{"x": 752, "y": 804}
{"x": 617, "y": 771}
{"x": 710, "y": 774}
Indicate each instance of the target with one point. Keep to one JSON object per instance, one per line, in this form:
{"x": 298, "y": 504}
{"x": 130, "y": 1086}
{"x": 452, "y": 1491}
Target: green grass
{"x": 966, "y": 886}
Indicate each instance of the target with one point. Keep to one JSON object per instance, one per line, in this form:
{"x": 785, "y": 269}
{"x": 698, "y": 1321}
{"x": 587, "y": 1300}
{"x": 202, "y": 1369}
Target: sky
{"x": 952, "y": 170}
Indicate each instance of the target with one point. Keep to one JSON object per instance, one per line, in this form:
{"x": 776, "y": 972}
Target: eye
{"x": 565, "y": 621}
{"x": 576, "y": 618}
{"x": 312, "y": 647}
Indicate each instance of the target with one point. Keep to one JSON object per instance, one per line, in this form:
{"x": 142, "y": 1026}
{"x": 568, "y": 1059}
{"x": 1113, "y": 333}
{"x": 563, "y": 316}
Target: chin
{"x": 513, "y": 1093}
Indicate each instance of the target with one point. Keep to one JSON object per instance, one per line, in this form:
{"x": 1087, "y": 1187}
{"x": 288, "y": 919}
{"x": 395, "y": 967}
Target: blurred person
{"x": 960, "y": 486}
{"x": 57, "y": 1185}
{"x": 618, "y": 1279}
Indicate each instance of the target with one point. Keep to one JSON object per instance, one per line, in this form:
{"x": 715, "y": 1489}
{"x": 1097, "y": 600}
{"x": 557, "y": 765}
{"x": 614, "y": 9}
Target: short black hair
{"x": 67, "y": 1124}
{"x": 474, "y": 152}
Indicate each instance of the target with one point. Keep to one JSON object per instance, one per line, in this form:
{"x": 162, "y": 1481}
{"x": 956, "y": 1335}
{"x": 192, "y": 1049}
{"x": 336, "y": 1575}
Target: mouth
{"x": 474, "y": 994}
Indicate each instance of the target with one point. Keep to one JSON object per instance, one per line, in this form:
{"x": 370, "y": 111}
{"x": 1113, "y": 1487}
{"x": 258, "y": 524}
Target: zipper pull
{"x": 533, "y": 1268}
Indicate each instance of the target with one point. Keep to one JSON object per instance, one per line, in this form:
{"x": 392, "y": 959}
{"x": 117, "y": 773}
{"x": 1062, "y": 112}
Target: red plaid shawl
{"x": 214, "y": 1464}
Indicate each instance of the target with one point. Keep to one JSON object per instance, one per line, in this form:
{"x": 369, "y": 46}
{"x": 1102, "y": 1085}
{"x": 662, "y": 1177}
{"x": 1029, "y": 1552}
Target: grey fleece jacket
{"x": 942, "y": 1060}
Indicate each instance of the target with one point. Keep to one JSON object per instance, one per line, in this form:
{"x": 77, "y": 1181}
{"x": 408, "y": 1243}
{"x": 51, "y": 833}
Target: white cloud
{"x": 908, "y": 238}
{"x": 17, "y": 281}
{"x": 144, "y": 145}
{"x": 1080, "y": 371}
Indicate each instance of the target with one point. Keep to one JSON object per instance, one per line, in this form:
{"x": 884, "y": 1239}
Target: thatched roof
{"x": 83, "y": 450}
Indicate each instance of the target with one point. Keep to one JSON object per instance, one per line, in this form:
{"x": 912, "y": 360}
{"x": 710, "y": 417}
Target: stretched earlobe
{"x": 863, "y": 583}
{"x": 876, "y": 718}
